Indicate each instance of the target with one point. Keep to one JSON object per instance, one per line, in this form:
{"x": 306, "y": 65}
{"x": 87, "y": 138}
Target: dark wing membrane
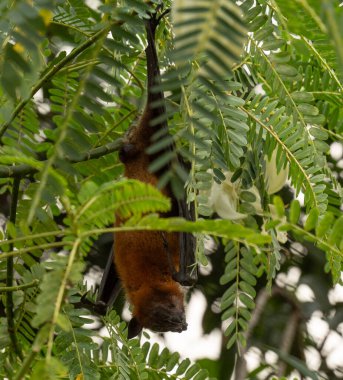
{"x": 110, "y": 285}
{"x": 188, "y": 271}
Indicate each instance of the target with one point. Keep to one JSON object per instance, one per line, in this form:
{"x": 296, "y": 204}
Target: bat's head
{"x": 160, "y": 310}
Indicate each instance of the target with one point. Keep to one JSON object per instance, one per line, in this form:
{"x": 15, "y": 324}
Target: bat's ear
{"x": 134, "y": 328}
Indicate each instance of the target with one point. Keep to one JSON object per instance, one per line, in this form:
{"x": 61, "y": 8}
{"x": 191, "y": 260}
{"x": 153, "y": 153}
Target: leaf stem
{"x": 9, "y": 276}
{"x": 60, "y": 295}
{"x": 36, "y": 347}
{"x": 32, "y": 284}
{"x": 24, "y": 169}
{"x": 19, "y": 252}
{"x": 56, "y": 233}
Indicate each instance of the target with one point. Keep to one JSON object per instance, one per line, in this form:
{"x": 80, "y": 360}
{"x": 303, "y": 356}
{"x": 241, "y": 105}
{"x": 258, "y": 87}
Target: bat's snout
{"x": 179, "y": 321}
{"x": 183, "y": 326}
{"x": 165, "y": 319}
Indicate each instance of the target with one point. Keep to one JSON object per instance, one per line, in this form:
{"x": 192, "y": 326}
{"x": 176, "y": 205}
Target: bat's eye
{"x": 176, "y": 303}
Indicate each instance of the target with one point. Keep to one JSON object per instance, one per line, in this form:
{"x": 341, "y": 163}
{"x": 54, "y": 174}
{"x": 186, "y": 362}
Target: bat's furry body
{"x": 146, "y": 262}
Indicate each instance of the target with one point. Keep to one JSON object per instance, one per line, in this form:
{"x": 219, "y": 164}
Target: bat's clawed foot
{"x": 98, "y": 307}
{"x": 185, "y": 280}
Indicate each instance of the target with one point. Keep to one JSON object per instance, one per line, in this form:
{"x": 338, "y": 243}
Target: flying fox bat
{"x": 151, "y": 265}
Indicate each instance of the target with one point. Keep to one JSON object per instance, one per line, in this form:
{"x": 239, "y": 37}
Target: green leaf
{"x": 294, "y": 212}
{"x": 286, "y": 70}
{"x": 231, "y": 341}
{"x": 183, "y": 367}
{"x": 248, "y": 277}
{"x": 258, "y": 23}
{"x": 202, "y": 375}
{"x": 192, "y": 371}
{"x": 324, "y": 224}
{"x": 153, "y": 354}
{"x": 63, "y": 322}
{"x": 273, "y": 44}
{"x": 229, "y": 313}
{"x": 315, "y": 119}
{"x": 219, "y": 174}
{"x": 227, "y": 277}
{"x": 247, "y": 288}
{"x": 279, "y": 206}
{"x": 308, "y": 109}
{"x": 172, "y": 361}
{"x": 319, "y": 133}
{"x": 230, "y": 329}
{"x": 247, "y": 301}
{"x": 51, "y": 370}
{"x": 247, "y": 196}
{"x": 336, "y": 235}
{"x": 302, "y": 97}
{"x": 311, "y": 220}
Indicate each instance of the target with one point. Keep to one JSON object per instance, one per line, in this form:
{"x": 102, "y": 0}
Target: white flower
{"x": 274, "y": 180}
{"x": 224, "y": 198}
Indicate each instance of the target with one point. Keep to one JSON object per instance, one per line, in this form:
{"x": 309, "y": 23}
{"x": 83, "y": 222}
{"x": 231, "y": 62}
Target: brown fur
{"x": 142, "y": 259}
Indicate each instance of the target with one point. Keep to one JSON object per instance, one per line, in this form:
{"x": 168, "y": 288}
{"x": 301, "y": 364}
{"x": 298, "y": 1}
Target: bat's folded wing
{"x": 110, "y": 285}
{"x": 188, "y": 271}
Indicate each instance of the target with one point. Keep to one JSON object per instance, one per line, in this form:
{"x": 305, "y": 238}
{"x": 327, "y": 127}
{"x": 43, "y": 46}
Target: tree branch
{"x": 20, "y": 171}
{"x": 290, "y": 331}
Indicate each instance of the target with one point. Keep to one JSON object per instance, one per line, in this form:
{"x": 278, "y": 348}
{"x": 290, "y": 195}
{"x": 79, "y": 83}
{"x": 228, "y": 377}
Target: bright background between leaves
{"x": 239, "y": 91}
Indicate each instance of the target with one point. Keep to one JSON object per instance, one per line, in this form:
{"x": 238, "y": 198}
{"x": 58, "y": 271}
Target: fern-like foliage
{"x": 243, "y": 84}
{"x": 238, "y": 300}
{"x": 116, "y": 357}
{"x": 325, "y": 231}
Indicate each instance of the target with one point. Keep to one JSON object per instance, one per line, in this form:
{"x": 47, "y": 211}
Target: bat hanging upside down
{"x": 150, "y": 265}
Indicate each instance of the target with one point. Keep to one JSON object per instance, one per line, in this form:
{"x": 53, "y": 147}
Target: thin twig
{"x": 21, "y": 251}
{"x": 56, "y": 234}
{"x": 36, "y": 347}
{"x": 32, "y": 284}
{"x": 116, "y": 125}
{"x": 9, "y": 277}
{"x": 261, "y": 301}
{"x": 288, "y": 340}
{"x": 59, "y": 299}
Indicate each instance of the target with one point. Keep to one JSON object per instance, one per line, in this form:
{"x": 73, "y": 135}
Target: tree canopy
{"x": 254, "y": 103}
